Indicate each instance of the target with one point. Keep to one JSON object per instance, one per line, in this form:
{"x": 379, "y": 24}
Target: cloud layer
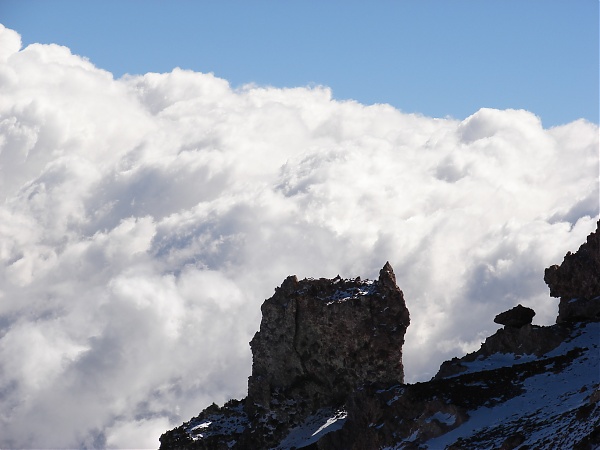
{"x": 144, "y": 220}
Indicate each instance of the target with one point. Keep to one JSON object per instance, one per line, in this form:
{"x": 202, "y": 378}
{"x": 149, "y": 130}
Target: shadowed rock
{"x": 321, "y": 339}
{"x": 577, "y": 282}
{"x": 515, "y": 317}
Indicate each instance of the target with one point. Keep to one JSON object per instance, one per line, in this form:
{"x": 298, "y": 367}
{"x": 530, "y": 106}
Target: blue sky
{"x": 436, "y": 58}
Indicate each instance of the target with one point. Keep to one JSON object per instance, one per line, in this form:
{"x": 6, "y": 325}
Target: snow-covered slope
{"x": 501, "y": 401}
{"x": 555, "y": 406}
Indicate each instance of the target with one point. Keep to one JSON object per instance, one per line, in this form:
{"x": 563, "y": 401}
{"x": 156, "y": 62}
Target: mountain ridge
{"x": 528, "y": 386}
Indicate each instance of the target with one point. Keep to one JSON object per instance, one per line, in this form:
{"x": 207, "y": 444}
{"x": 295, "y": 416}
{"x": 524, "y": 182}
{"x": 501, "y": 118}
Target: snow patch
{"x": 314, "y": 427}
{"x": 368, "y": 288}
{"x": 200, "y": 426}
{"x": 495, "y": 361}
{"x": 547, "y": 400}
{"x": 447, "y": 418}
{"x": 219, "y": 424}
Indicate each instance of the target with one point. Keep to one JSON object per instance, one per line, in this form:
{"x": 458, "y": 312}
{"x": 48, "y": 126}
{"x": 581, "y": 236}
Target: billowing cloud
{"x": 144, "y": 220}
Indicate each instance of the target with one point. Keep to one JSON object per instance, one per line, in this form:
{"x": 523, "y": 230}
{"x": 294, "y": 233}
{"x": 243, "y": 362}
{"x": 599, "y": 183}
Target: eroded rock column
{"x": 321, "y": 339}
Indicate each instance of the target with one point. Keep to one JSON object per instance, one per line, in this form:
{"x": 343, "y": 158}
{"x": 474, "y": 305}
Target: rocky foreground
{"x": 327, "y": 374}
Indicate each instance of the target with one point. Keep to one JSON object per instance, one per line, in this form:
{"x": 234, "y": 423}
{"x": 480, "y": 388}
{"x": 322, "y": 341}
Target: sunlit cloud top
{"x": 144, "y": 219}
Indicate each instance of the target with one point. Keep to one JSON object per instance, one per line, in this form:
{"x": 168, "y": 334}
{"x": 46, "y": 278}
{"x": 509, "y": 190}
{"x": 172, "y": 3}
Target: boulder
{"x": 515, "y": 317}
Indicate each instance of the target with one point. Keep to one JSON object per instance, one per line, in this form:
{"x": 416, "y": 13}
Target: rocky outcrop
{"x": 577, "y": 282}
{"x": 516, "y": 317}
{"x": 579, "y": 309}
{"x": 327, "y": 375}
{"x": 526, "y": 340}
{"x": 319, "y": 341}
{"x": 518, "y": 337}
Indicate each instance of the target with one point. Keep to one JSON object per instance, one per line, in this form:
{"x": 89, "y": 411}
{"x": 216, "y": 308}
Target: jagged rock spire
{"x": 387, "y": 276}
{"x": 577, "y": 282}
{"x": 317, "y": 340}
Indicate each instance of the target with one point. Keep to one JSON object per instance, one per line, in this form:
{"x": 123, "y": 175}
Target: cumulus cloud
{"x": 144, "y": 220}
{"x": 10, "y": 42}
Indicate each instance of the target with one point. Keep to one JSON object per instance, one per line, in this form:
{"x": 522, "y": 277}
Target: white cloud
{"x": 10, "y": 43}
{"x": 144, "y": 220}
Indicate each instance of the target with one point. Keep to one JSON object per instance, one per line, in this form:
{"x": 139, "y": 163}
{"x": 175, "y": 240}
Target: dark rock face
{"x": 321, "y": 339}
{"x": 577, "y": 282}
{"x": 515, "y": 317}
{"x": 578, "y": 309}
